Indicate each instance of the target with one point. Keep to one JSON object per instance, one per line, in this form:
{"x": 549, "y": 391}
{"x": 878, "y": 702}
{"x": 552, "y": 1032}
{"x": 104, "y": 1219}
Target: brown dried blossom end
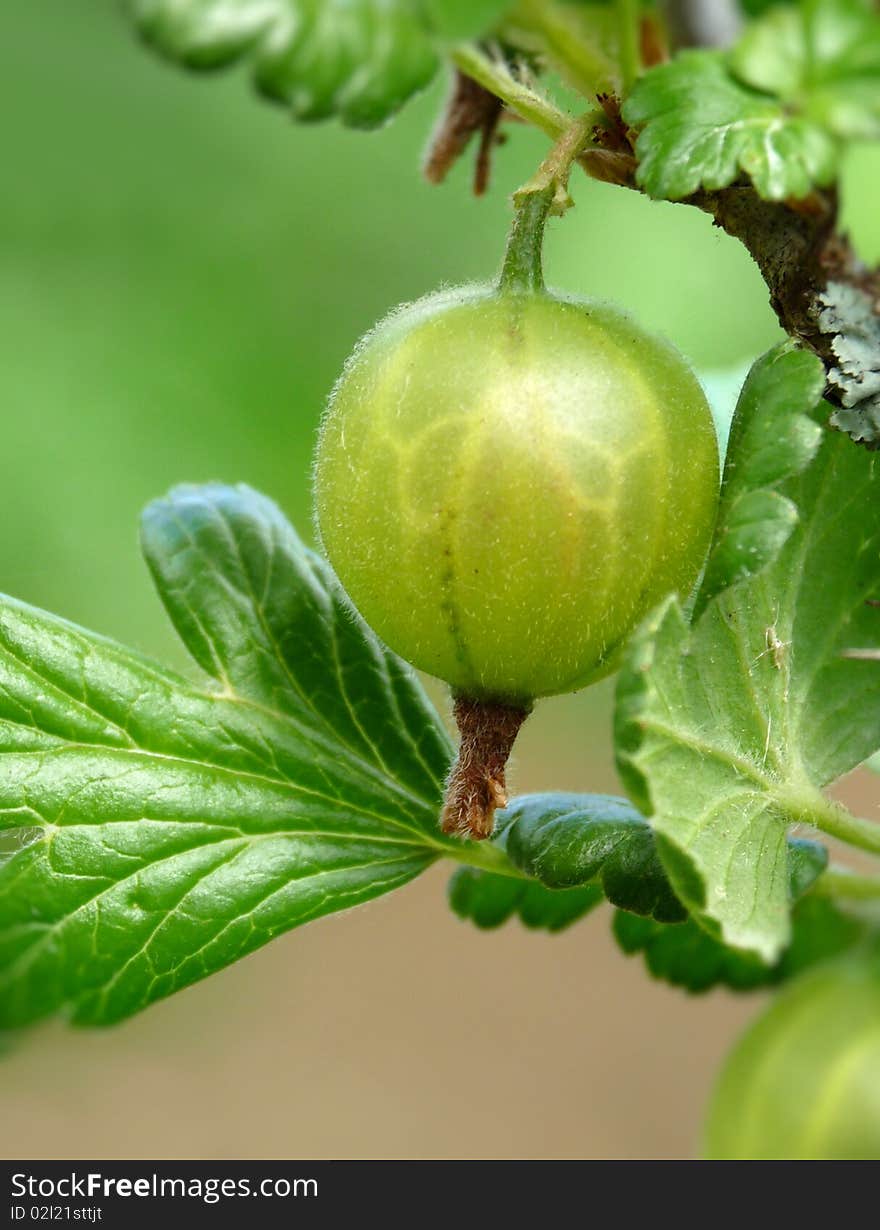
{"x": 476, "y": 786}
{"x": 471, "y": 109}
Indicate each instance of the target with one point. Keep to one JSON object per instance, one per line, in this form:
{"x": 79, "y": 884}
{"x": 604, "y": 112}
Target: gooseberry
{"x": 804, "y": 1081}
{"x": 506, "y": 483}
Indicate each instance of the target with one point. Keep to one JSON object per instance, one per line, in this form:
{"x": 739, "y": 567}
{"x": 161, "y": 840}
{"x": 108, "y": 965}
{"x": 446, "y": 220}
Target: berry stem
{"x": 545, "y": 193}
{"x": 476, "y": 785}
{"x": 522, "y": 270}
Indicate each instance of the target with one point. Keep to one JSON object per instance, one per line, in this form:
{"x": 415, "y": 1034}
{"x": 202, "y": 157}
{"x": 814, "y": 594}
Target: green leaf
{"x": 776, "y": 108}
{"x": 567, "y": 840}
{"x": 727, "y": 729}
{"x": 702, "y": 129}
{"x": 768, "y": 443}
{"x": 574, "y": 850}
{"x": 822, "y": 59}
{"x": 359, "y": 60}
{"x": 460, "y": 19}
{"x": 165, "y": 828}
{"x": 821, "y": 929}
{"x": 488, "y": 900}
{"x": 584, "y": 849}
{"x": 754, "y": 8}
{"x": 806, "y": 862}
{"x": 686, "y": 955}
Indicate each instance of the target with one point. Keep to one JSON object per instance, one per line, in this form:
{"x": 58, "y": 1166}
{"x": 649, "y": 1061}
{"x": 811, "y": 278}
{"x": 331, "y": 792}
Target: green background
{"x": 182, "y": 273}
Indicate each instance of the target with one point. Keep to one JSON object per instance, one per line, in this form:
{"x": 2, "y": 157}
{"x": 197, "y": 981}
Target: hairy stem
{"x": 544, "y": 192}
{"x": 556, "y": 166}
{"x": 522, "y": 269}
{"x": 476, "y": 784}
{"x": 494, "y": 75}
{"x": 811, "y": 807}
{"x": 561, "y": 34}
{"x": 485, "y": 856}
{"x": 838, "y": 882}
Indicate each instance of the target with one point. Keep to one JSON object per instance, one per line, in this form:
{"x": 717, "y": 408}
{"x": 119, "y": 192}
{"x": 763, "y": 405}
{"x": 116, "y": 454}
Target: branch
{"x": 821, "y": 293}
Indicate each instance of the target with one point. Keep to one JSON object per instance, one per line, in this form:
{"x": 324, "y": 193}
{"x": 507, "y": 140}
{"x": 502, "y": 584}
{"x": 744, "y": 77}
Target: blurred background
{"x": 182, "y": 273}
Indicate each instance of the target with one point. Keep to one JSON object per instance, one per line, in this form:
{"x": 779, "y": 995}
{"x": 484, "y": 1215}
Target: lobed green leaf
{"x": 686, "y": 955}
{"x": 727, "y": 728}
{"x": 802, "y": 79}
{"x": 359, "y": 60}
{"x": 162, "y": 828}
{"x": 573, "y": 850}
{"x": 569, "y": 840}
{"x": 460, "y": 19}
{"x": 577, "y": 850}
{"x": 822, "y": 59}
{"x": 701, "y": 128}
{"x": 772, "y": 437}
{"x": 488, "y": 900}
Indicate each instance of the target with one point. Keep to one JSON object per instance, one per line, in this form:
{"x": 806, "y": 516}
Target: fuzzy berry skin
{"x": 506, "y": 483}
{"x": 803, "y": 1083}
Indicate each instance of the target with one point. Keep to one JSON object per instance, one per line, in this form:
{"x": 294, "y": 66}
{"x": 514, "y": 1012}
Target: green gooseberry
{"x": 507, "y": 481}
{"x": 804, "y": 1082}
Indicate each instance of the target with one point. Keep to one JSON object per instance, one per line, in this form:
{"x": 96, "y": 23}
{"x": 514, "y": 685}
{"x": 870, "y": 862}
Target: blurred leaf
{"x": 727, "y": 729}
{"x": 577, "y": 39}
{"x": 806, "y": 862}
{"x": 821, "y": 928}
{"x": 702, "y": 129}
{"x": 821, "y": 58}
{"x": 488, "y": 900}
{"x": 754, "y": 8}
{"x": 169, "y": 827}
{"x": 459, "y": 19}
{"x": 356, "y": 59}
